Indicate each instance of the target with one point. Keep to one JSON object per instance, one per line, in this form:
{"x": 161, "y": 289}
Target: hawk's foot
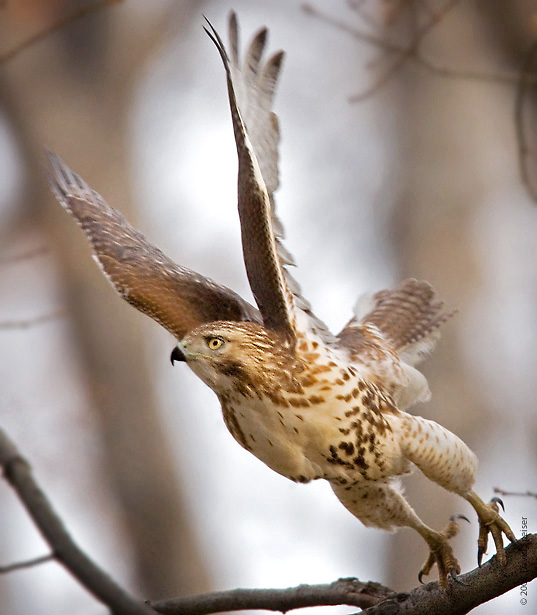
{"x": 441, "y": 554}
{"x": 490, "y": 522}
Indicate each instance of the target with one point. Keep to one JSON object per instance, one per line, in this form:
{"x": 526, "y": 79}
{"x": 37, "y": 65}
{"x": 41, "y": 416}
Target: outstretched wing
{"x": 251, "y": 90}
{"x": 176, "y": 297}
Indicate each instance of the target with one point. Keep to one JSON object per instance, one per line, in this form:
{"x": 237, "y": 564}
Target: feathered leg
{"x": 382, "y": 505}
{"x": 445, "y": 459}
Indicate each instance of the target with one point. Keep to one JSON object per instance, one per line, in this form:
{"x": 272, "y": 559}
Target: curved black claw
{"x": 455, "y": 517}
{"x": 420, "y": 576}
{"x": 480, "y": 552}
{"x": 499, "y": 501}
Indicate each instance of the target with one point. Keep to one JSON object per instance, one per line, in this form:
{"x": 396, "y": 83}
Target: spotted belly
{"x": 344, "y": 439}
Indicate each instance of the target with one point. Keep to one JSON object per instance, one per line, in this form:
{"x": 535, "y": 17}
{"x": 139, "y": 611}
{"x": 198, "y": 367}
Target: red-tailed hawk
{"x": 309, "y": 404}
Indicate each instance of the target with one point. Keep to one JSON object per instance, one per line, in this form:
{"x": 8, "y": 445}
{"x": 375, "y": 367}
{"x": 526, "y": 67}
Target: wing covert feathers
{"x": 176, "y": 297}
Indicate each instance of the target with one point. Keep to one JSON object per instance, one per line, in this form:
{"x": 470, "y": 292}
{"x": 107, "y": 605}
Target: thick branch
{"x": 343, "y": 591}
{"x": 18, "y": 473}
{"x": 476, "y": 587}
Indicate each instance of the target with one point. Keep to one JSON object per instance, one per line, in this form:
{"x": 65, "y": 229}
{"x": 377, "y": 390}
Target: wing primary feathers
{"x": 251, "y": 87}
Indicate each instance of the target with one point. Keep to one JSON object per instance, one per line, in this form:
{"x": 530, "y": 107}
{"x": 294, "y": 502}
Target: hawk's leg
{"x": 382, "y": 505}
{"x": 490, "y": 522}
{"x": 441, "y": 552}
{"x": 445, "y": 459}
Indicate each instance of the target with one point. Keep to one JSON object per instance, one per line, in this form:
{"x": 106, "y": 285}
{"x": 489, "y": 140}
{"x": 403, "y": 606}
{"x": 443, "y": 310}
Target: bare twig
{"x": 408, "y": 52}
{"x": 390, "y": 72}
{"x": 31, "y": 322}
{"x": 494, "y": 77}
{"x": 529, "y": 494}
{"x": 18, "y": 473}
{"x": 78, "y": 13}
{"x": 29, "y": 563}
{"x": 344, "y": 591}
{"x": 523, "y": 149}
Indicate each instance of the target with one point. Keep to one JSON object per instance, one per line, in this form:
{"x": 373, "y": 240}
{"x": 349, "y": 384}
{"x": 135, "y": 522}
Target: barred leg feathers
{"x": 442, "y": 456}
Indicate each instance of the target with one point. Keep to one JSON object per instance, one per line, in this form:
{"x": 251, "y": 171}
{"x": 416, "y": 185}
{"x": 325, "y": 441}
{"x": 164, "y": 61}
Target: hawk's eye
{"x": 214, "y": 342}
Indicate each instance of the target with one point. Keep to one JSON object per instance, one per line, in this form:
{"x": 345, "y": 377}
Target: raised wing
{"x": 251, "y": 90}
{"x": 176, "y": 297}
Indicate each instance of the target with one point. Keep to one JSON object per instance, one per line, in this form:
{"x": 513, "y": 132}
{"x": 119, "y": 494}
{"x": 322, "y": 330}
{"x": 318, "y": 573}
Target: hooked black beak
{"x": 177, "y": 355}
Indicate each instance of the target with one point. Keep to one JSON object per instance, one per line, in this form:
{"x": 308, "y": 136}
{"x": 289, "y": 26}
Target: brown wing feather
{"x": 409, "y": 317}
{"x": 408, "y": 313}
{"x": 176, "y": 297}
{"x": 261, "y": 259}
{"x": 251, "y": 87}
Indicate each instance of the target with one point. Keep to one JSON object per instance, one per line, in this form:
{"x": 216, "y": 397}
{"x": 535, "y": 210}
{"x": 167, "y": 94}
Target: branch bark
{"x": 18, "y": 473}
{"x": 343, "y": 591}
{"x": 475, "y": 588}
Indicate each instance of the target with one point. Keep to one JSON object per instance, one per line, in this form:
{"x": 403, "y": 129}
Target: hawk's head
{"x": 231, "y": 355}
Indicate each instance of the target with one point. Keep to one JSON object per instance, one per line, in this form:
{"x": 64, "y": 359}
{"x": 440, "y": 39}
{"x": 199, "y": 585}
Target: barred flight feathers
{"x": 251, "y": 90}
{"x": 176, "y": 297}
{"x": 409, "y": 316}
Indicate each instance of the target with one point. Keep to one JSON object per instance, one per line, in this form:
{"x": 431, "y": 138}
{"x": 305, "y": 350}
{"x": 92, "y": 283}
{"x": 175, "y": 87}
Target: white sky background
{"x": 261, "y": 529}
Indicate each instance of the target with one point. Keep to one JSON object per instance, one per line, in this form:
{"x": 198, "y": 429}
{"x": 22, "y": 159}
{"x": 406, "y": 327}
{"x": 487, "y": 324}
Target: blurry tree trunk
{"x": 75, "y": 100}
{"x": 443, "y": 180}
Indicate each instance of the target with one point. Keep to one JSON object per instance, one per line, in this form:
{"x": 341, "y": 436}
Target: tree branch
{"x": 18, "y": 473}
{"x": 29, "y": 563}
{"x": 343, "y": 591}
{"x": 31, "y": 322}
{"x": 529, "y": 494}
{"x": 413, "y": 54}
{"x": 476, "y": 587}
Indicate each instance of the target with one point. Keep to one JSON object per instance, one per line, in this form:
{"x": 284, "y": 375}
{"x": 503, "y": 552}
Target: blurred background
{"x": 393, "y": 164}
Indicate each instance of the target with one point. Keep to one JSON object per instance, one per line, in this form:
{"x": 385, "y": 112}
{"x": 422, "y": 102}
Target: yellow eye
{"x": 214, "y": 342}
